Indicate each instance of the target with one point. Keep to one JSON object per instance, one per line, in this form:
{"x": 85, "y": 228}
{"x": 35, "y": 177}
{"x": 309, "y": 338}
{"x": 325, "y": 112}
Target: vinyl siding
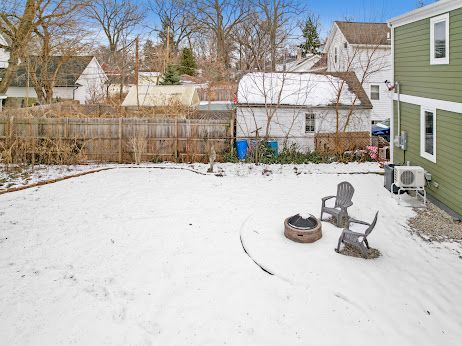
{"x": 413, "y": 70}
{"x": 355, "y": 59}
{"x": 447, "y": 171}
{"x": 291, "y": 122}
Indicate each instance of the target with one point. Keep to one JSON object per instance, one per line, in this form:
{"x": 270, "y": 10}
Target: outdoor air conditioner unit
{"x": 409, "y": 177}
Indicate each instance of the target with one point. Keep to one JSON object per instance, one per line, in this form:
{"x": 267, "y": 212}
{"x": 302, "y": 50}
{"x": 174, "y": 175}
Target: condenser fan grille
{"x": 407, "y": 177}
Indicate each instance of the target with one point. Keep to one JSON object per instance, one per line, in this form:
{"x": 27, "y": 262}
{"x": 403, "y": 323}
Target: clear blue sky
{"x": 359, "y": 10}
{"x": 356, "y": 10}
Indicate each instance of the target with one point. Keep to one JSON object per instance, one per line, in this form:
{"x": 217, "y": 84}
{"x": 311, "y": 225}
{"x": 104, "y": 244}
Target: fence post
{"x": 32, "y": 139}
{"x": 231, "y": 132}
{"x": 176, "y": 139}
{"x": 66, "y": 129}
{"x": 120, "y": 140}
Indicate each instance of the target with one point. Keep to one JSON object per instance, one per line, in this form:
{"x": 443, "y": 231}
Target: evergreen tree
{"x": 170, "y": 77}
{"x": 188, "y": 63}
{"x": 311, "y": 36}
{"x": 148, "y": 54}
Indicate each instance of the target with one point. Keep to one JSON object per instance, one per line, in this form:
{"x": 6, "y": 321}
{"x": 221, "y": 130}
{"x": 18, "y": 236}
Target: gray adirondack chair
{"x": 358, "y": 238}
{"x": 343, "y": 201}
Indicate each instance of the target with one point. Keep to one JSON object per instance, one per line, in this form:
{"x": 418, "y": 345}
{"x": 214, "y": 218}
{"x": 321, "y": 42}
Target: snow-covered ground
{"x": 154, "y": 257}
{"x": 17, "y": 176}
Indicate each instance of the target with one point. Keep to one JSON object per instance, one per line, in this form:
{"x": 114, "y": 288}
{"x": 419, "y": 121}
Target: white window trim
{"x": 378, "y": 93}
{"x": 433, "y": 21}
{"x": 423, "y": 153}
{"x": 314, "y": 120}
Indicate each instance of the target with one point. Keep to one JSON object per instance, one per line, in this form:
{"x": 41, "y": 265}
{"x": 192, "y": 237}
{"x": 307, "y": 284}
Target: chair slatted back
{"x": 345, "y": 193}
{"x": 371, "y": 227}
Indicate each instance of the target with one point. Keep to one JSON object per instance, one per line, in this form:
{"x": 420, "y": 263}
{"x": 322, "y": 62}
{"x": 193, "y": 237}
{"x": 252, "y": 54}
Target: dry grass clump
{"x": 351, "y": 251}
{"x": 173, "y": 109}
{"x": 41, "y": 151}
{"x": 138, "y": 146}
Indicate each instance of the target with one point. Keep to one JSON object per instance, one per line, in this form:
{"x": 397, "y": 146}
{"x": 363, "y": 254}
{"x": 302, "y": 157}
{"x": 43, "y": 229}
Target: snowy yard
{"x": 154, "y": 257}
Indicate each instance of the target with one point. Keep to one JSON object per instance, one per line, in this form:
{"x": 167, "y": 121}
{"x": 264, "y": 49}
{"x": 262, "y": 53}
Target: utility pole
{"x": 167, "y": 55}
{"x": 137, "y": 69}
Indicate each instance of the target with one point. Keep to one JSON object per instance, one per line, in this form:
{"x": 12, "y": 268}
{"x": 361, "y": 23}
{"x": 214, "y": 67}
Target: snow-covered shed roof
{"x": 162, "y": 95}
{"x": 301, "y": 89}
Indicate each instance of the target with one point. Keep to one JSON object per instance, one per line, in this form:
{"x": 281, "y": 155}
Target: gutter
{"x": 327, "y": 107}
{"x": 77, "y": 85}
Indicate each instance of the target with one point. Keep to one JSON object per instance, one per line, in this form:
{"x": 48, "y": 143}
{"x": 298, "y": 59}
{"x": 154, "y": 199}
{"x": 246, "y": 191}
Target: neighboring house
{"x": 148, "y": 78}
{"x": 113, "y": 85}
{"x": 299, "y": 64}
{"x": 297, "y": 106}
{"x": 427, "y": 49}
{"x": 161, "y": 96}
{"x": 305, "y": 64}
{"x": 80, "y": 78}
{"x": 4, "y": 55}
{"x": 365, "y": 49}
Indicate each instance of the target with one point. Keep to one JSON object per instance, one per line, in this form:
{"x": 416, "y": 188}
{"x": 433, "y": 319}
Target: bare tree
{"x": 175, "y": 21}
{"x": 56, "y": 39}
{"x": 252, "y": 40}
{"x": 16, "y": 25}
{"x": 278, "y": 16}
{"x": 20, "y": 21}
{"x": 116, "y": 18}
{"x": 220, "y": 17}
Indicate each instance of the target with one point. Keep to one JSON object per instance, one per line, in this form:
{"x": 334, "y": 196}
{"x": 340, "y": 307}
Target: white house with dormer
{"x": 365, "y": 49}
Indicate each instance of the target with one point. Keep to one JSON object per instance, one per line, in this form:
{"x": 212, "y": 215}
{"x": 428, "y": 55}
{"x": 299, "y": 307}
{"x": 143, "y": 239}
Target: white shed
{"x": 294, "y": 107}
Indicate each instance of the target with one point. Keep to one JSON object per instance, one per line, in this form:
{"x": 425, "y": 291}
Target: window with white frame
{"x": 439, "y": 40}
{"x": 375, "y": 92}
{"x": 310, "y": 122}
{"x": 335, "y": 55}
{"x": 428, "y": 133}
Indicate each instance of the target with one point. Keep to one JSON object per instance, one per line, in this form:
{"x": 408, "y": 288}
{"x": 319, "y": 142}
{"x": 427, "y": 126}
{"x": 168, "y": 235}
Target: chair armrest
{"x": 324, "y": 199}
{"x": 352, "y": 220}
{"x": 346, "y": 206}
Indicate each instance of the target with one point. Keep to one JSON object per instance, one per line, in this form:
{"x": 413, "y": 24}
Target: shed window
{"x": 428, "y": 134}
{"x": 375, "y": 92}
{"x": 310, "y": 121}
{"x": 439, "y": 40}
{"x": 335, "y": 55}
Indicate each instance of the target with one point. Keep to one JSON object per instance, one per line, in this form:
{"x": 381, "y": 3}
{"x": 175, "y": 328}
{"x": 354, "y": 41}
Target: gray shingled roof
{"x": 67, "y": 76}
{"x": 365, "y": 33}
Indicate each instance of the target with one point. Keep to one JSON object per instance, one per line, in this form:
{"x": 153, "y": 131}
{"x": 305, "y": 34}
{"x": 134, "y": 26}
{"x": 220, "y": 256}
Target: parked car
{"x": 381, "y": 130}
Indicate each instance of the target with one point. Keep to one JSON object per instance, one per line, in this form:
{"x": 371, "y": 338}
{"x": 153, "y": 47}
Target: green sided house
{"x": 427, "y": 69}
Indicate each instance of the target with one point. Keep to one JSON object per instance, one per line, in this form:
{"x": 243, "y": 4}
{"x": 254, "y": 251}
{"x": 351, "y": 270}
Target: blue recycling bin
{"x": 274, "y": 147}
{"x": 241, "y": 149}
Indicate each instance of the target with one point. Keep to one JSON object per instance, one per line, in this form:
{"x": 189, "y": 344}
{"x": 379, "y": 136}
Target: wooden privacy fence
{"x": 121, "y": 139}
{"x": 344, "y": 141}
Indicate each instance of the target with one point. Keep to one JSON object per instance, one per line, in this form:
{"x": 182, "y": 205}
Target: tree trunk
{"x": 19, "y": 41}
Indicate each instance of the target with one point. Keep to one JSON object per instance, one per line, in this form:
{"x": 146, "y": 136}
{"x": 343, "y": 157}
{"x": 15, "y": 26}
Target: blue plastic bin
{"x": 241, "y": 149}
{"x": 274, "y": 146}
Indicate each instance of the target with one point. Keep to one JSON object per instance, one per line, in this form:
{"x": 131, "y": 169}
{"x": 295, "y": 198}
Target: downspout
{"x": 399, "y": 108}
{"x": 77, "y": 85}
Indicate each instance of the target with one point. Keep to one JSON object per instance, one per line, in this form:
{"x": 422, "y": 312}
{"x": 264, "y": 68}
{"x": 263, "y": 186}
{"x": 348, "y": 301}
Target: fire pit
{"x": 303, "y": 230}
